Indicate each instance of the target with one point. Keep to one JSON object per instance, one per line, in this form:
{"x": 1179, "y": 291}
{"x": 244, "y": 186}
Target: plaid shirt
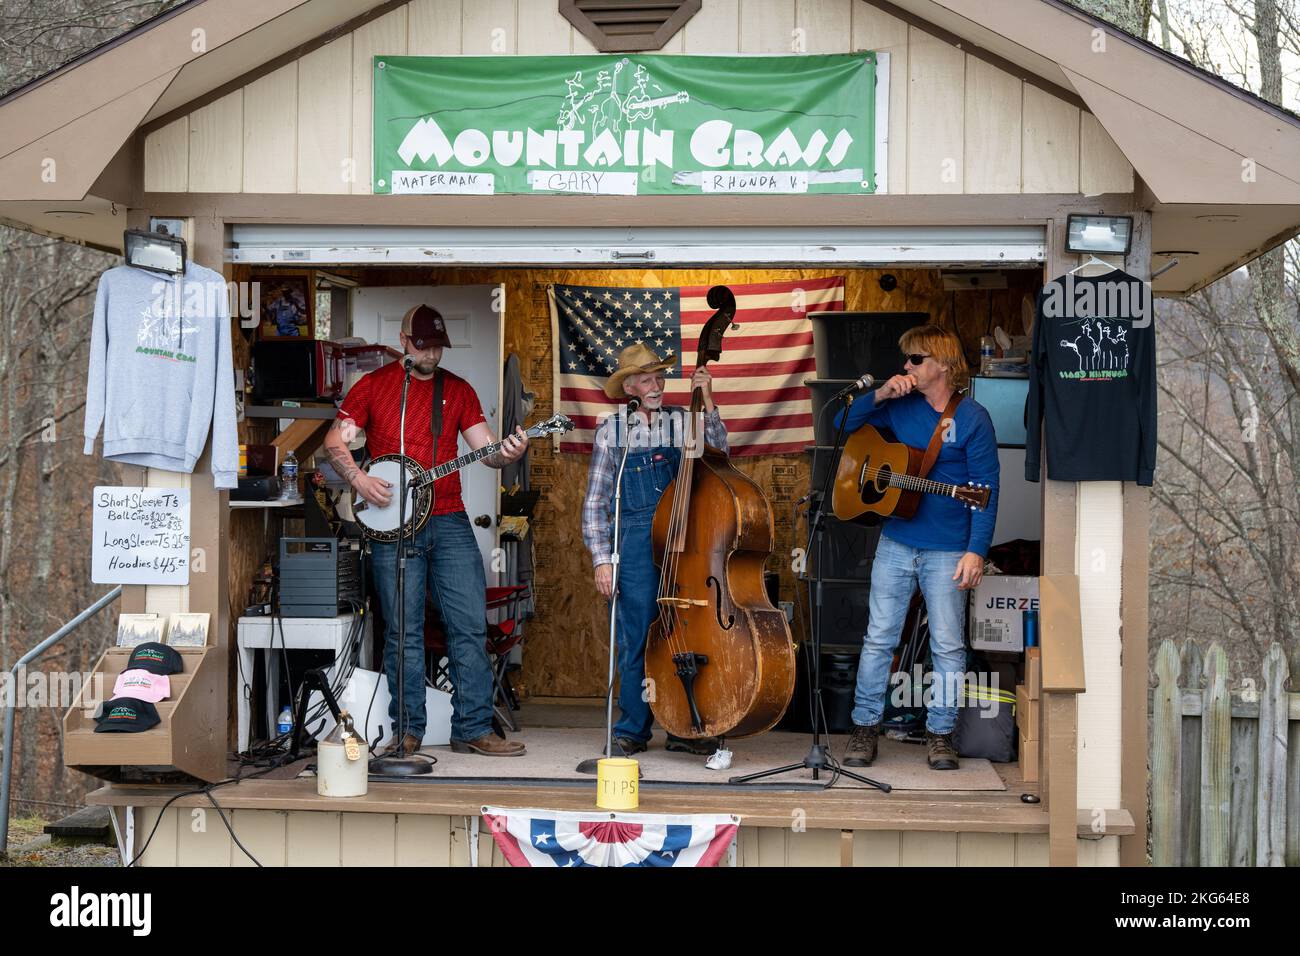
{"x": 597, "y": 519}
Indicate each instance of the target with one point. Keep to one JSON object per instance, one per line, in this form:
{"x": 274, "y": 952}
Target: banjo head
{"x": 381, "y": 523}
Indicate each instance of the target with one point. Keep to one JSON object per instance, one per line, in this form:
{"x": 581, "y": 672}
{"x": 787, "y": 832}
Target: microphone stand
{"x": 398, "y": 764}
{"x": 819, "y": 757}
{"x": 590, "y": 764}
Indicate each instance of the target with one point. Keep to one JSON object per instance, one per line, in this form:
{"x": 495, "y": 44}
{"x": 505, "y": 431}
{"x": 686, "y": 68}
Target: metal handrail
{"x": 12, "y": 707}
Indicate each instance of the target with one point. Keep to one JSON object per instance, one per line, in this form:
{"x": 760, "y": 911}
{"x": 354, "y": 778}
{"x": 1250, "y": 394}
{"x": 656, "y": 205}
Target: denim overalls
{"x": 647, "y": 474}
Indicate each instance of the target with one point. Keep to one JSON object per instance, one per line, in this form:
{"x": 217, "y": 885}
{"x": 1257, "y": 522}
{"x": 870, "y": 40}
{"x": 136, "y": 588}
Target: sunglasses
{"x": 915, "y": 359}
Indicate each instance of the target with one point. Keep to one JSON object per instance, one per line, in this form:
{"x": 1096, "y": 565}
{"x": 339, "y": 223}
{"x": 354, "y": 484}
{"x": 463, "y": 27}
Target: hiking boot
{"x": 627, "y": 747}
{"x": 489, "y": 745}
{"x": 862, "y": 746}
{"x": 412, "y": 744}
{"x": 702, "y": 746}
{"x": 939, "y": 751}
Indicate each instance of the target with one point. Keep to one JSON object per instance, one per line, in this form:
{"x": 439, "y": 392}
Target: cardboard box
{"x": 1027, "y": 715}
{"x": 1029, "y": 760}
{"x": 997, "y": 609}
{"x": 1033, "y": 672}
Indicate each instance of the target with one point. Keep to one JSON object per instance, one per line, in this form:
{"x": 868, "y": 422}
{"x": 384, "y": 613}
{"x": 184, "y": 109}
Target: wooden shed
{"x": 252, "y": 123}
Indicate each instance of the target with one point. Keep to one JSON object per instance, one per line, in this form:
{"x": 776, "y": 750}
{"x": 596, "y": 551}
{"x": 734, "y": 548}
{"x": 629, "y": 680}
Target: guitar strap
{"x": 936, "y": 440}
{"x": 436, "y": 424}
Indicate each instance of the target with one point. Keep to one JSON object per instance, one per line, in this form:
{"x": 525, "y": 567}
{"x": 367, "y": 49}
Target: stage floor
{"x": 561, "y": 733}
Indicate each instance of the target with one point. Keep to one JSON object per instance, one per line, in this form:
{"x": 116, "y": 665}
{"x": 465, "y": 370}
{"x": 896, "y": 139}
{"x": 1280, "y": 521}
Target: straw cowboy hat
{"x": 634, "y": 360}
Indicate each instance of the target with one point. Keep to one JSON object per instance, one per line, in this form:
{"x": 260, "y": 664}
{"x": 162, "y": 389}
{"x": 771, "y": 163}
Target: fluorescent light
{"x": 1099, "y": 234}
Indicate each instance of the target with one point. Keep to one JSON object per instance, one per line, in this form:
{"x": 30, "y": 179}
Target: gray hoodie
{"x": 157, "y": 383}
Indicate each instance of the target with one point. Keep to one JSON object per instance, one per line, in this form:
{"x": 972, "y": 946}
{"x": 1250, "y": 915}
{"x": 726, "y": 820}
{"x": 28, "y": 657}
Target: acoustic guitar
{"x": 877, "y": 477}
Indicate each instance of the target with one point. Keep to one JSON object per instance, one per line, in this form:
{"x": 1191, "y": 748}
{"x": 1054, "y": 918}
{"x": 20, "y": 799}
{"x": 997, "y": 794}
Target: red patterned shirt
{"x": 375, "y": 403}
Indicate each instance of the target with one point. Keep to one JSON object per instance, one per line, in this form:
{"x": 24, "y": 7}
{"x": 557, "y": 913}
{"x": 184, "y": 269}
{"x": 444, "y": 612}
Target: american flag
{"x": 600, "y": 838}
{"x": 758, "y": 383}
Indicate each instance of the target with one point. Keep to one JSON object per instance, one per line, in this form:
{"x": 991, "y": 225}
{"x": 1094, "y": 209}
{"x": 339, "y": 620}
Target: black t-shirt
{"x": 1092, "y": 380}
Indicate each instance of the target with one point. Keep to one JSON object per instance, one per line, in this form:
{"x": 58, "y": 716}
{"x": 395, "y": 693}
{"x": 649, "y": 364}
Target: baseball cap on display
{"x": 425, "y": 327}
{"x": 142, "y": 685}
{"x": 126, "y": 715}
{"x": 155, "y": 658}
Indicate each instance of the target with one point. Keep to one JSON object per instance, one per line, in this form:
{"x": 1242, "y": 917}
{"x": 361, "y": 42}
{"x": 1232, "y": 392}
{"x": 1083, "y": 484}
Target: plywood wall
{"x": 956, "y": 124}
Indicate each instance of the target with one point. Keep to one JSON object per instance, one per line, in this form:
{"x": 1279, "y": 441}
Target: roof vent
{"x": 625, "y": 26}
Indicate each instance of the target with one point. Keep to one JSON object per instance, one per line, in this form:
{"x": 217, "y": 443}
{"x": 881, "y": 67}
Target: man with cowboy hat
{"x": 652, "y": 461}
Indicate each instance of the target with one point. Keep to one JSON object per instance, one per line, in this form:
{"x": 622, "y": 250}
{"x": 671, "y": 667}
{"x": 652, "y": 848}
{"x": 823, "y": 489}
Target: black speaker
{"x": 839, "y": 679}
{"x": 845, "y": 610}
{"x": 847, "y": 344}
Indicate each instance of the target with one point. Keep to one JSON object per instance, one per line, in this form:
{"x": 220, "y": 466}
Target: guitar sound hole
{"x": 873, "y": 489}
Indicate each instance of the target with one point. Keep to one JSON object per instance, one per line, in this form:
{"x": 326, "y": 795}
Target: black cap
{"x": 155, "y": 658}
{"x": 126, "y": 715}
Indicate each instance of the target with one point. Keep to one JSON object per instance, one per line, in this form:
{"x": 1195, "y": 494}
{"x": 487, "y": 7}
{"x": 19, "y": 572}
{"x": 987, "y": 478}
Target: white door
{"x": 476, "y": 331}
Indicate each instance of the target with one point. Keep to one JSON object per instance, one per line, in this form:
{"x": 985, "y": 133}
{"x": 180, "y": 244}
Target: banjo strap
{"x": 436, "y": 424}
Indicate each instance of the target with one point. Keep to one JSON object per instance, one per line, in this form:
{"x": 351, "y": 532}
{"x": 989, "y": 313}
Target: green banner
{"x": 625, "y": 125}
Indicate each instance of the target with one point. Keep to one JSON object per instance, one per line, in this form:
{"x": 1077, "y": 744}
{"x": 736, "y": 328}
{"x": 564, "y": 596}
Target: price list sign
{"x": 141, "y": 536}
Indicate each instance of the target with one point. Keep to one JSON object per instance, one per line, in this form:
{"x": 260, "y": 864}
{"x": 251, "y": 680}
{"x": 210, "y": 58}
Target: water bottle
{"x": 988, "y": 352}
{"x": 289, "y": 478}
{"x": 284, "y": 723}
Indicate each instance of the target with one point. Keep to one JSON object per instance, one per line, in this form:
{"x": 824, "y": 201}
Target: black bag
{"x": 986, "y": 724}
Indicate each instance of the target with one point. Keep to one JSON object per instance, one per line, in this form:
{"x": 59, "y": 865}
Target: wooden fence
{"x": 1225, "y": 761}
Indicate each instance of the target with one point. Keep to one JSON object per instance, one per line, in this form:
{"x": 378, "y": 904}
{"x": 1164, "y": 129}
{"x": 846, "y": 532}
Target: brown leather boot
{"x": 489, "y": 745}
{"x": 411, "y": 741}
{"x": 939, "y": 751}
{"x": 861, "y": 750}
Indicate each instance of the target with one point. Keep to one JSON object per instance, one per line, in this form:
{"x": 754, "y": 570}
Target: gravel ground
{"x": 28, "y": 846}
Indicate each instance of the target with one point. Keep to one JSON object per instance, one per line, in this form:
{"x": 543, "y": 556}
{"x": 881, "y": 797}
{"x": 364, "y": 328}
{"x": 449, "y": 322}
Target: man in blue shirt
{"x": 941, "y": 548}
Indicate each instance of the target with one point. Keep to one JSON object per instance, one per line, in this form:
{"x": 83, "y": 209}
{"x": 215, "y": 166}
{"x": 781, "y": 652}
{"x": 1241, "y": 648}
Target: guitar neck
{"x": 923, "y": 485}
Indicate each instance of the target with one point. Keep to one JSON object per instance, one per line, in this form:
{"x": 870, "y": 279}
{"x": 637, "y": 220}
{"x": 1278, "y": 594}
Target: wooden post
{"x": 1270, "y": 811}
{"x": 1216, "y": 760}
{"x": 1192, "y": 673}
{"x": 1166, "y": 753}
{"x": 1134, "y": 598}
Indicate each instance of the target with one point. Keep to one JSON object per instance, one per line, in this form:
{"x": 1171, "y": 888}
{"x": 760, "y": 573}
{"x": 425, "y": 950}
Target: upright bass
{"x": 719, "y": 654}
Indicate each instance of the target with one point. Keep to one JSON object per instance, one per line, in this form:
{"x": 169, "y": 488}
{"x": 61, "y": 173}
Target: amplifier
{"x": 319, "y": 577}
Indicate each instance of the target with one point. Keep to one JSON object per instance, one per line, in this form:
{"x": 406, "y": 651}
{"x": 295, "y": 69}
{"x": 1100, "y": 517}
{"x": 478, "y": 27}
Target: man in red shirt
{"x": 444, "y": 559}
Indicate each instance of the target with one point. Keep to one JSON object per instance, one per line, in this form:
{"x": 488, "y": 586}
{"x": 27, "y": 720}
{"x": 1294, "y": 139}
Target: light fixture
{"x": 155, "y": 251}
{"x": 1112, "y": 235}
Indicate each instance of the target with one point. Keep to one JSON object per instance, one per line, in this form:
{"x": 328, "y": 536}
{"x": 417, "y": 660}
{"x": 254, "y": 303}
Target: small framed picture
{"x": 188, "y": 629}
{"x": 285, "y": 306}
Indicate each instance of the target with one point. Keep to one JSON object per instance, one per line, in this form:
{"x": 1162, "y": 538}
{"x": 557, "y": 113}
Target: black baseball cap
{"x": 423, "y": 325}
{"x": 155, "y": 658}
{"x": 126, "y": 715}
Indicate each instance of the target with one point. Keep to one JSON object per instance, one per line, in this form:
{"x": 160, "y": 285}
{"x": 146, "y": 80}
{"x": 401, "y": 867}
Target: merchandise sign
{"x": 141, "y": 535}
{"x": 625, "y": 125}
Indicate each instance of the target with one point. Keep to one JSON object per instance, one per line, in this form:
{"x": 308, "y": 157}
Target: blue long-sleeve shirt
{"x": 971, "y": 454}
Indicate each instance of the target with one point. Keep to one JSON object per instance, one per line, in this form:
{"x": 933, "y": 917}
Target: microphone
{"x": 632, "y": 405}
{"x": 861, "y": 385}
{"x": 408, "y": 363}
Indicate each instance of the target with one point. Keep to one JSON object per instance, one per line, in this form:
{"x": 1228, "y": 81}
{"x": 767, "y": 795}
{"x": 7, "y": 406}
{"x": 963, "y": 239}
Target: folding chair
{"x": 504, "y": 631}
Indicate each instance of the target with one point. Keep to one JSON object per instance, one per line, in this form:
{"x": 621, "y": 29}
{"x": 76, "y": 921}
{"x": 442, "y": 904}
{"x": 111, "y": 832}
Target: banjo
{"x": 380, "y": 523}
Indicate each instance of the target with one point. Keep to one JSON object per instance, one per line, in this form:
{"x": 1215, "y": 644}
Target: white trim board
{"x": 294, "y": 245}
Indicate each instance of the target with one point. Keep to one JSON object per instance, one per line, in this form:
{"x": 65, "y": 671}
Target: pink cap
{"x": 142, "y": 685}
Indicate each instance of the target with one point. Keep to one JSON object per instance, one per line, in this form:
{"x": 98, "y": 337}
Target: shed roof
{"x": 1232, "y": 192}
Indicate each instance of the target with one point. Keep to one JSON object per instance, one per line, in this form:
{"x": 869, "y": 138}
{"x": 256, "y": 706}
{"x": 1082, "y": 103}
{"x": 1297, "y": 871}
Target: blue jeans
{"x": 645, "y": 477}
{"x": 444, "y": 561}
{"x": 895, "y": 574}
